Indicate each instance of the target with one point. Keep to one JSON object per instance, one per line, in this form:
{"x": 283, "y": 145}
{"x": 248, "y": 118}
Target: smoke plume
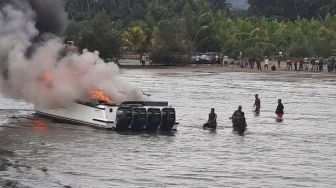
{"x": 31, "y": 67}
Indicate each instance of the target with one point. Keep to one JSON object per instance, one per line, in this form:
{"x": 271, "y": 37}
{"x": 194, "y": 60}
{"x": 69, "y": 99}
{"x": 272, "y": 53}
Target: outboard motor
{"x": 168, "y": 119}
{"x": 139, "y": 119}
{"x": 124, "y": 118}
{"x": 153, "y": 119}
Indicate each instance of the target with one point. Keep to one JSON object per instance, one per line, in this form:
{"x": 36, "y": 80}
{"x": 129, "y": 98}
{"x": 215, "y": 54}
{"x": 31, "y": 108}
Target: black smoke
{"x": 50, "y": 19}
{"x": 50, "y": 15}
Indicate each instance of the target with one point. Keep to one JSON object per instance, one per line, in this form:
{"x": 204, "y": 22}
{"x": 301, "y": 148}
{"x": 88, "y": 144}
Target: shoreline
{"x": 126, "y": 64}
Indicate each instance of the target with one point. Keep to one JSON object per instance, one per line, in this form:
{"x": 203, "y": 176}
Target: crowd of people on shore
{"x": 289, "y": 64}
{"x": 309, "y": 65}
{"x": 238, "y": 117}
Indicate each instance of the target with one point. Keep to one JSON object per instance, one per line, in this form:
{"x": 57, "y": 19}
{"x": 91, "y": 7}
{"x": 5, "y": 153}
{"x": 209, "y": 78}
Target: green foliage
{"x": 169, "y": 49}
{"x": 198, "y": 31}
{"x": 135, "y": 39}
{"x": 97, "y": 34}
{"x": 131, "y": 10}
{"x": 171, "y": 31}
{"x": 258, "y": 36}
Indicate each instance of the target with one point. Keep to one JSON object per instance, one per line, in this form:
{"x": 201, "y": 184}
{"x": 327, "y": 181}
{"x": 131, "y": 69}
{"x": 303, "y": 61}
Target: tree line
{"x": 171, "y": 31}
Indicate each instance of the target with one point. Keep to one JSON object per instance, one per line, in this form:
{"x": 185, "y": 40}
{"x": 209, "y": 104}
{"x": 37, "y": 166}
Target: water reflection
{"x": 39, "y": 124}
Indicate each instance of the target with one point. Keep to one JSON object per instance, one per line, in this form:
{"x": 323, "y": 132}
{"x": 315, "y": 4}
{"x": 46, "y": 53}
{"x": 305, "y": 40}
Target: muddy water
{"x": 298, "y": 152}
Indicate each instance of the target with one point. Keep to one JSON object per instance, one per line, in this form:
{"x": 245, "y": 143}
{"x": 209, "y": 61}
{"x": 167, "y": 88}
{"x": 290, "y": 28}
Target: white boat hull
{"x": 103, "y": 115}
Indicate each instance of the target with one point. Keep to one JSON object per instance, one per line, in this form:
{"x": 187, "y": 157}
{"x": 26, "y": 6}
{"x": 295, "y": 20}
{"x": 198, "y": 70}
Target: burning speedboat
{"x": 99, "y": 111}
{"x": 129, "y": 115}
{"x": 38, "y": 68}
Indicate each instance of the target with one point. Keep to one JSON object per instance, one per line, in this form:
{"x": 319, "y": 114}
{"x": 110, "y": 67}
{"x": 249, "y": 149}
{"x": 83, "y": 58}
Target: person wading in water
{"x": 257, "y": 103}
{"x": 238, "y": 121}
{"x": 279, "y": 110}
{"x": 212, "y": 121}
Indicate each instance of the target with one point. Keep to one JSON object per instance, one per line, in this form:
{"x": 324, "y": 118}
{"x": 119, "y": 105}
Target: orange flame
{"x": 46, "y": 76}
{"x": 100, "y": 95}
{"x": 39, "y": 125}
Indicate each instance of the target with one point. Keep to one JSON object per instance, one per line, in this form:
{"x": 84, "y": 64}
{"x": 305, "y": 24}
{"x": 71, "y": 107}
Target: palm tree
{"x": 135, "y": 39}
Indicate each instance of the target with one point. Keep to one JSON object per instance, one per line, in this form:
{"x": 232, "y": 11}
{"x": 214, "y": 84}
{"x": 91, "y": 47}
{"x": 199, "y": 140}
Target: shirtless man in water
{"x": 212, "y": 116}
{"x": 212, "y": 121}
{"x": 257, "y": 103}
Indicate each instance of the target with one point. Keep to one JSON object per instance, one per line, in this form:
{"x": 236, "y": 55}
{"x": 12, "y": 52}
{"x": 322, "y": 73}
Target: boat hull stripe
{"x": 72, "y": 120}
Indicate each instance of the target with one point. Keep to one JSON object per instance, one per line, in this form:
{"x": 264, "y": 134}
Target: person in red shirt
{"x": 257, "y": 103}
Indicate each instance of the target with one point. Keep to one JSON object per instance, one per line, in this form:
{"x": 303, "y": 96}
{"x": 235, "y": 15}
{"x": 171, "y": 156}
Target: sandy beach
{"x": 135, "y": 64}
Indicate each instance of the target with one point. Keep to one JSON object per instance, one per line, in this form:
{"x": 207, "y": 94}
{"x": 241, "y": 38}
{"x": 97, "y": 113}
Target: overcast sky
{"x": 239, "y": 4}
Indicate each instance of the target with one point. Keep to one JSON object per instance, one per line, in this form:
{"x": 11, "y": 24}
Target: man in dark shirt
{"x": 258, "y": 61}
{"x": 279, "y": 110}
{"x": 238, "y": 120}
{"x": 257, "y": 103}
{"x": 238, "y": 116}
{"x": 238, "y": 113}
{"x": 295, "y": 64}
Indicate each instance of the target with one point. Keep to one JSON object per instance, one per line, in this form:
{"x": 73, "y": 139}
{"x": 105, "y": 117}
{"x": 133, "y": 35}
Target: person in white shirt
{"x": 203, "y": 59}
{"x": 266, "y": 63}
{"x": 197, "y": 58}
{"x": 226, "y": 60}
{"x": 143, "y": 60}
